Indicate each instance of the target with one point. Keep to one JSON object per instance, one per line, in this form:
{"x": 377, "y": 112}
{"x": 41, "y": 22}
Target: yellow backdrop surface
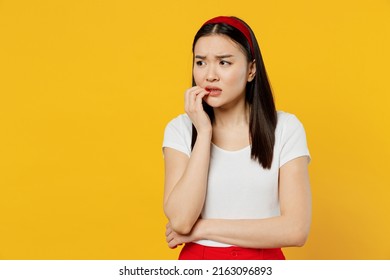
{"x": 87, "y": 87}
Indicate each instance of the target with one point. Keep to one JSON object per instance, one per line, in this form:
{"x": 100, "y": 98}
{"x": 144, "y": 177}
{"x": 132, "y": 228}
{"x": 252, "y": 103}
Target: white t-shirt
{"x": 239, "y": 187}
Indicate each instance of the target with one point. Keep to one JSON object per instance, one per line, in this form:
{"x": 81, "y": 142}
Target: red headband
{"x": 235, "y": 23}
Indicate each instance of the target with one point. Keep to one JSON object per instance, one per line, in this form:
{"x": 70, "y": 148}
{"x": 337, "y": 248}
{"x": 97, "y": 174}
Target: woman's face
{"x": 221, "y": 67}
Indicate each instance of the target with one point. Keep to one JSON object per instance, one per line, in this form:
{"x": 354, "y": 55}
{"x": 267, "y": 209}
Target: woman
{"x": 236, "y": 175}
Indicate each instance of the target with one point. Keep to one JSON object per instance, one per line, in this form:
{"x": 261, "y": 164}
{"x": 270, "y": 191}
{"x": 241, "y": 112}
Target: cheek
{"x": 197, "y": 76}
{"x": 238, "y": 79}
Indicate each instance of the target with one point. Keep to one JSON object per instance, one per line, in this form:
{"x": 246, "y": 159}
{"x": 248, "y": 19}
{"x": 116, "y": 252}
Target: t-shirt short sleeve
{"x": 178, "y": 133}
{"x": 293, "y": 140}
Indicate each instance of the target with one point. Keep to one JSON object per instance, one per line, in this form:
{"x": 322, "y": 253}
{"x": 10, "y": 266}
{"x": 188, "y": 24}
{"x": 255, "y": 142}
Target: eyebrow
{"x": 217, "y": 56}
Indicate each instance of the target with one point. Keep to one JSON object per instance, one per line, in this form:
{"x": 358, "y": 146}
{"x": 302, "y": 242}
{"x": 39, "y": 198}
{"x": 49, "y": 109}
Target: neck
{"x": 237, "y": 115}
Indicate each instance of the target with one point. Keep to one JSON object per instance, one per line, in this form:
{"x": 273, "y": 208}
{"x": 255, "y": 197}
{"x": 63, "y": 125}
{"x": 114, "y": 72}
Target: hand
{"x": 175, "y": 239}
{"x": 194, "y": 109}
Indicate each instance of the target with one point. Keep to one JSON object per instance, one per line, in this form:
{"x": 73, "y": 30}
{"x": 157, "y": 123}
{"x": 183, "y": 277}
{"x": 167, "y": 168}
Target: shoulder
{"x": 290, "y": 138}
{"x": 285, "y": 118}
{"x": 182, "y": 122}
{"x": 287, "y": 121}
{"x": 178, "y": 134}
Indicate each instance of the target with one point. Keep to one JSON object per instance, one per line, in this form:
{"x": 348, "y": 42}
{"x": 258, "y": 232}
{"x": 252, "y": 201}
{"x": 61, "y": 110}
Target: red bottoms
{"x": 194, "y": 251}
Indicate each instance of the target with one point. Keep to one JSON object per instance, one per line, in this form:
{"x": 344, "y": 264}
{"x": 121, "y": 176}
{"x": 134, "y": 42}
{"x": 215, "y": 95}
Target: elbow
{"x": 300, "y": 239}
{"x": 298, "y": 236}
{"x": 179, "y": 223}
{"x": 181, "y": 227}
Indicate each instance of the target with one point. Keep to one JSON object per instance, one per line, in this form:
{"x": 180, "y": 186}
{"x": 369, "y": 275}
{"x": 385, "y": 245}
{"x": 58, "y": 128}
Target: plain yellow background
{"x": 87, "y": 87}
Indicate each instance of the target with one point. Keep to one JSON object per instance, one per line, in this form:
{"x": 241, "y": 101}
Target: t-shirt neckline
{"x": 229, "y": 151}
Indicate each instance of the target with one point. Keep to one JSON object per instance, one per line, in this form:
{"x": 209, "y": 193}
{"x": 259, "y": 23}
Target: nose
{"x": 212, "y": 75}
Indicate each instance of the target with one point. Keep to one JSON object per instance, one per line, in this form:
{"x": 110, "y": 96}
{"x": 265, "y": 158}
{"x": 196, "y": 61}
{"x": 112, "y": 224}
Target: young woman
{"x": 236, "y": 176}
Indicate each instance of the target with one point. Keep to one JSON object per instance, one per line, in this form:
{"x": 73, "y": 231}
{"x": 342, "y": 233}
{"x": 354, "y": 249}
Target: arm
{"x": 186, "y": 178}
{"x": 291, "y": 228}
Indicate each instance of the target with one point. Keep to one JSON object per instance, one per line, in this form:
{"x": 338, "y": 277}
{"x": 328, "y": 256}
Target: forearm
{"x": 186, "y": 200}
{"x": 273, "y": 232}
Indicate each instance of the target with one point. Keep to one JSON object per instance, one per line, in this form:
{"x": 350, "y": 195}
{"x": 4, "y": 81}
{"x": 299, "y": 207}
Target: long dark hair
{"x": 263, "y": 117}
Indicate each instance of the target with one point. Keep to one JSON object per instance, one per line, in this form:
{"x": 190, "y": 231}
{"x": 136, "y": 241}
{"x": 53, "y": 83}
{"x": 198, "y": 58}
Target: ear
{"x": 252, "y": 71}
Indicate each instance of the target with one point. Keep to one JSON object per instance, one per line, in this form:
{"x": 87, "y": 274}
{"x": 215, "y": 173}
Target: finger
{"x": 168, "y": 229}
{"x": 186, "y": 100}
{"x": 202, "y": 94}
{"x": 190, "y": 95}
{"x": 169, "y": 238}
{"x": 196, "y": 102}
{"x": 191, "y": 101}
{"x": 199, "y": 99}
{"x": 173, "y": 244}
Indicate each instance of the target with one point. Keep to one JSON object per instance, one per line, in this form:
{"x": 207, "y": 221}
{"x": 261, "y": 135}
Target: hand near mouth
{"x": 194, "y": 109}
{"x": 214, "y": 91}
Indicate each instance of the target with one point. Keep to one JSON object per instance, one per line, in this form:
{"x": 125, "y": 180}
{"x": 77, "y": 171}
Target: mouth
{"x": 213, "y": 91}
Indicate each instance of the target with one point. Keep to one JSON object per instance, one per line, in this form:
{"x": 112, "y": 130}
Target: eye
{"x": 199, "y": 63}
{"x": 225, "y": 63}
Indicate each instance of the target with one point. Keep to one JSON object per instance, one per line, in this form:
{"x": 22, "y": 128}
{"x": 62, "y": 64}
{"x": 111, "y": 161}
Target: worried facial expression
{"x": 221, "y": 67}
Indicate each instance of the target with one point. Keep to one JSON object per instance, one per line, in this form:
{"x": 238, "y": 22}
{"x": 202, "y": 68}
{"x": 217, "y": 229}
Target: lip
{"x": 213, "y": 91}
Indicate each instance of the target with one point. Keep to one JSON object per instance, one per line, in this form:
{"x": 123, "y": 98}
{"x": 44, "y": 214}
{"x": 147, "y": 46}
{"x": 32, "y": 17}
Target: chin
{"x": 213, "y": 103}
